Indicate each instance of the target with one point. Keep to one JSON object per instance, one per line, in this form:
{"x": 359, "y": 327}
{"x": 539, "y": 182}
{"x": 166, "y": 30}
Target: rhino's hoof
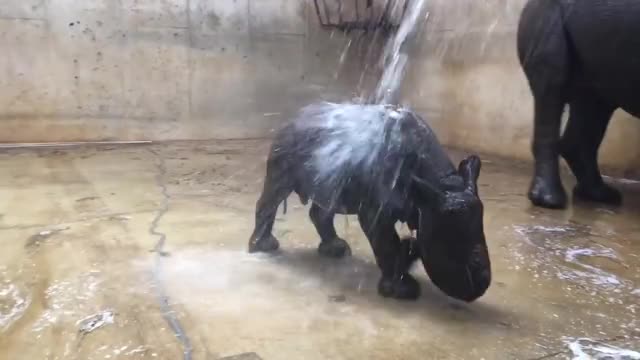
{"x": 268, "y": 244}
{"x": 405, "y": 288}
{"x": 602, "y": 193}
{"x": 547, "y": 194}
{"x": 336, "y": 248}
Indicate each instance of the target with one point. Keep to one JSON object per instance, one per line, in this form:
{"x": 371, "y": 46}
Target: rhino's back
{"x": 605, "y": 40}
{"x": 347, "y": 153}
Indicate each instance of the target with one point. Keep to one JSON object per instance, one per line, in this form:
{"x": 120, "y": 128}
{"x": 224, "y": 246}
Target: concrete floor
{"x": 151, "y": 240}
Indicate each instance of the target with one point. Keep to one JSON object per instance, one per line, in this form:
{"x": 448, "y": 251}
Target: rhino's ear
{"x": 469, "y": 169}
{"x": 425, "y": 190}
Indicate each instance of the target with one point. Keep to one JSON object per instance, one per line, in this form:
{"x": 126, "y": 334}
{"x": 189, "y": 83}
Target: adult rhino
{"x": 584, "y": 53}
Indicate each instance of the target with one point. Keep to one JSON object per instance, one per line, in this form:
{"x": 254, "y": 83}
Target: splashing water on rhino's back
{"x": 353, "y": 137}
{"x": 357, "y": 131}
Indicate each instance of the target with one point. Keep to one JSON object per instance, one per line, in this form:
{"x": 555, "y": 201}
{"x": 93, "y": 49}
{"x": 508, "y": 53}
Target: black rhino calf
{"x": 585, "y": 53}
{"x": 384, "y": 164}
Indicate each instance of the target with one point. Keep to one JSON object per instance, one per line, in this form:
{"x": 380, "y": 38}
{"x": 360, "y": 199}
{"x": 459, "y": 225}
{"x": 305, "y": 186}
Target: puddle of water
{"x": 602, "y": 280}
{"x": 587, "y": 349}
{"x": 567, "y": 262}
{"x": 621, "y": 180}
{"x": 42, "y": 236}
{"x": 595, "y": 275}
{"x": 573, "y": 254}
{"x": 69, "y": 299}
{"x": 120, "y": 351}
{"x": 13, "y": 303}
{"x": 96, "y": 321}
{"x": 231, "y": 284}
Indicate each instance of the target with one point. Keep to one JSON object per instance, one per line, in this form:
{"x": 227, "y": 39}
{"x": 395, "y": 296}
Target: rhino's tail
{"x": 284, "y": 207}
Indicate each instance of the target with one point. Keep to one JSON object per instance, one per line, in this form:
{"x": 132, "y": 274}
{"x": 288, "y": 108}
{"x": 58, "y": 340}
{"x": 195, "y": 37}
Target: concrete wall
{"x": 200, "y": 69}
{"x": 467, "y": 79}
{"x": 160, "y": 69}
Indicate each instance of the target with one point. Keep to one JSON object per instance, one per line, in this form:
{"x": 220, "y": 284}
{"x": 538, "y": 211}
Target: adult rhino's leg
{"x": 544, "y": 56}
{"x": 546, "y": 187}
{"x": 330, "y": 244}
{"x": 277, "y": 186}
{"x": 580, "y": 142}
{"x": 389, "y": 255}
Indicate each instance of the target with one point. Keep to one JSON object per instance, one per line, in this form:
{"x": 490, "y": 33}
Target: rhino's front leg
{"x": 392, "y": 256}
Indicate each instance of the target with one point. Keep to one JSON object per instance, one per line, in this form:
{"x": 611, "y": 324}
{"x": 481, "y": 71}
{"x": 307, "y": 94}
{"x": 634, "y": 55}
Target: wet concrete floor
{"x": 139, "y": 253}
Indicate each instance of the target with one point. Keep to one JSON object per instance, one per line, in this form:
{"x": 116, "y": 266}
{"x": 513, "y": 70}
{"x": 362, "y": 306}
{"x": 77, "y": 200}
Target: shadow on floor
{"x": 357, "y": 279}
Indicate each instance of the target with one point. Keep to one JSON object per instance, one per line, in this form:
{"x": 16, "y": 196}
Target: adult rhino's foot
{"x": 404, "y": 288}
{"x": 336, "y": 248}
{"x": 547, "y": 194}
{"x": 266, "y": 244}
{"x": 601, "y": 193}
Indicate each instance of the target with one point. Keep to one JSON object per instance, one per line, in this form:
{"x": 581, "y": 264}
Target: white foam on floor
{"x": 13, "y": 303}
{"x": 587, "y": 349}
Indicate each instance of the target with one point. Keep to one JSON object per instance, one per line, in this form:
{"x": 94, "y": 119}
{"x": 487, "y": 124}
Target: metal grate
{"x": 367, "y": 15}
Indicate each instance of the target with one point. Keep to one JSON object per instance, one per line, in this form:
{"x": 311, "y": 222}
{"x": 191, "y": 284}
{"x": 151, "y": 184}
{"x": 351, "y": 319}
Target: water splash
{"x": 346, "y": 144}
{"x": 356, "y": 134}
{"x": 343, "y": 57}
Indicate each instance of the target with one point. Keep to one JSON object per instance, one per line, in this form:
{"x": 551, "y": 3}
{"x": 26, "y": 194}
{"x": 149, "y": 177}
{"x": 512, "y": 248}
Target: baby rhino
{"x": 384, "y": 164}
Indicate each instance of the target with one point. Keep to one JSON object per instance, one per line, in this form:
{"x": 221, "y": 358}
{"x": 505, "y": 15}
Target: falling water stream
{"x": 357, "y": 130}
{"x": 395, "y": 57}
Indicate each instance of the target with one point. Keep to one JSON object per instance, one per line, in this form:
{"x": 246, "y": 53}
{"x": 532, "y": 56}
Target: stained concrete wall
{"x": 467, "y": 79}
{"x": 160, "y": 69}
{"x": 201, "y": 69}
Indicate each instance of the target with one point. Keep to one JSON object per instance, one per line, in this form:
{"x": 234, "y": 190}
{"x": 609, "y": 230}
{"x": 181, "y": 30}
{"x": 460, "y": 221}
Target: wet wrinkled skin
{"x": 409, "y": 178}
{"x": 460, "y": 268}
{"x": 584, "y": 54}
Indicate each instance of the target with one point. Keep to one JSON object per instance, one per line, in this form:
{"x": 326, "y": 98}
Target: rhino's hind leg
{"x": 277, "y": 187}
{"x": 331, "y": 245}
{"x": 580, "y": 142}
{"x": 392, "y": 256}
